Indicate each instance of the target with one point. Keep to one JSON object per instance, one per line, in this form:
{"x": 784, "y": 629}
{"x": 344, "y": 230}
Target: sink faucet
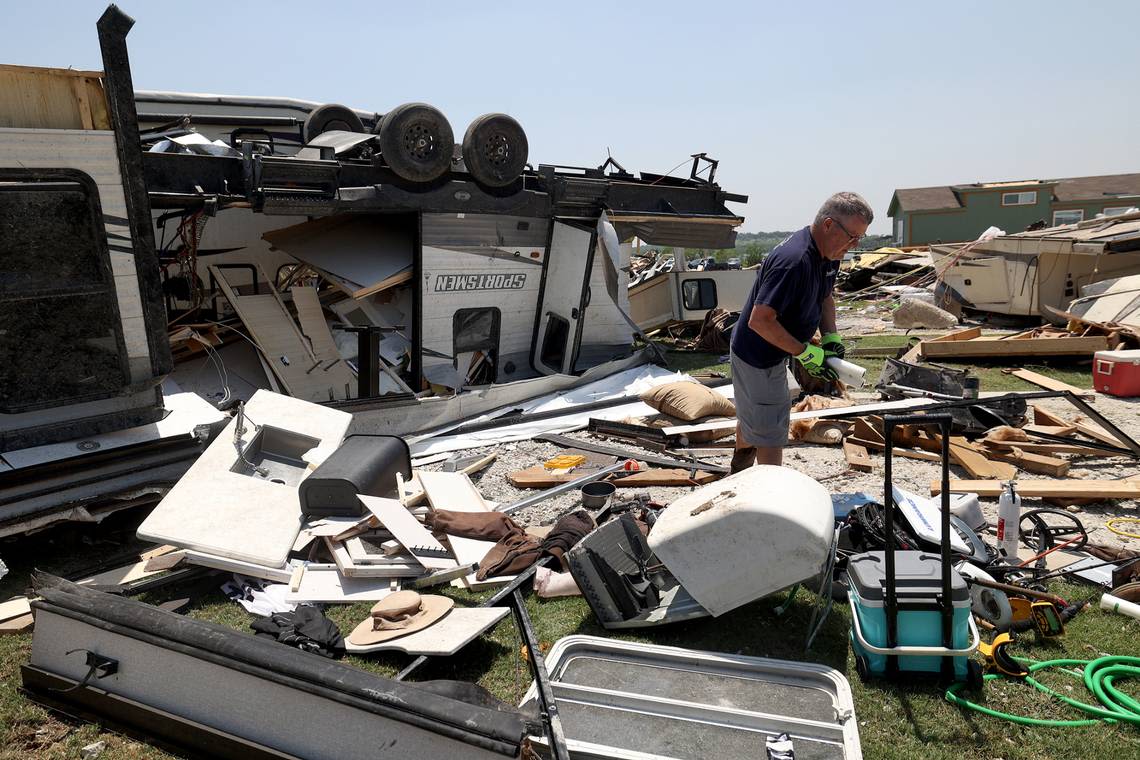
{"x": 239, "y": 431}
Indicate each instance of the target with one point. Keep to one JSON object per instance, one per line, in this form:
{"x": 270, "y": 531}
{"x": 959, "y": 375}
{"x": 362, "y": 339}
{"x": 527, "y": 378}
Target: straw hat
{"x": 399, "y": 614}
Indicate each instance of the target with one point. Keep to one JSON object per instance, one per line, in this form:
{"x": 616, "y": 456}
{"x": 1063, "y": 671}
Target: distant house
{"x": 957, "y": 213}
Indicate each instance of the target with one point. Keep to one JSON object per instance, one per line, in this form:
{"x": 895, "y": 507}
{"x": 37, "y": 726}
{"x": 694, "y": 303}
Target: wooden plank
{"x": 898, "y": 451}
{"x": 16, "y": 625}
{"x": 1096, "y": 432}
{"x": 997, "y": 347}
{"x": 1035, "y": 489}
{"x": 14, "y": 608}
{"x": 539, "y": 477}
{"x": 1048, "y": 383}
{"x": 1062, "y": 430}
{"x": 857, "y": 457}
{"x": 406, "y": 529}
{"x": 962, "y": 453}
{"x": 864, "y": 429}
{"x": 1043, "y": 416}
{"x": 1030, "y": 462}
{"x": 1052, "y": 448}
{"x": 454, "y": 491}
{"x": 968, "y": 334}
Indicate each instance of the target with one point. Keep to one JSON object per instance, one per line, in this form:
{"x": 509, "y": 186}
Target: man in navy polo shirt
{"x": 790, "y": 300}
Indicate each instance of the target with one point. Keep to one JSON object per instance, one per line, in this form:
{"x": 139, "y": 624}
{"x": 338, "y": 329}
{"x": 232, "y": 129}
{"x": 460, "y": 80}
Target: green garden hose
{"x": 1099, "y": 678}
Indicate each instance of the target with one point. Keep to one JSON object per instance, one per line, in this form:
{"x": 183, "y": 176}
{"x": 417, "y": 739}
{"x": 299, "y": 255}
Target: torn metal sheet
{"x": 172, "y": 678}
{"x": 620, "y": 385}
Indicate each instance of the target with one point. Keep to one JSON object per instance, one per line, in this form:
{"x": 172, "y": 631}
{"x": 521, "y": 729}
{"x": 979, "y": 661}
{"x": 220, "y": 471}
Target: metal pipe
{"x": 548, "y": 706}
{"x": 563, "y": 488}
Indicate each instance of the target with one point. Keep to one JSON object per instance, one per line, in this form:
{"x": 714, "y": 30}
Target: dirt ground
{"x": 827, "y": 465}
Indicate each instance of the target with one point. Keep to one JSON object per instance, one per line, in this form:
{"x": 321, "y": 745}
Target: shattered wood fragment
{"x": 1030, "y": 462}
{"x": 898, "y": 451}
{"x": 857, "y": 457}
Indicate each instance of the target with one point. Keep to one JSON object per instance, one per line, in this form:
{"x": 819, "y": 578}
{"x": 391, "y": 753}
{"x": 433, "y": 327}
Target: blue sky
{"x": 797, "y": 100}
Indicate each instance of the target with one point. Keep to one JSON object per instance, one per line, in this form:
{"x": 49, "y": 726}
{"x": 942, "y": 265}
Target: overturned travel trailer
{"x": 1034, "y": 274}
{"x": 426, "y": 301}
{"x": 370, "y": 264}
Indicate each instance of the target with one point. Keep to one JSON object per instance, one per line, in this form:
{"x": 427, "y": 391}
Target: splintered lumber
{"x": 1046, "y": 489}
{"x": 1015, "y": 346}
{"x": 898, "y": 451}
{"x": 1052, "y": 448}
{"x": 1030, "y": 462}
{"x": 540, "y": 477}
{"x": 968, "y": 334}
{"x": 857, "y": 457}
{"x": 1096, "y": 432}
{"x": 962, "y": 453}
{"x": 1047, "y": 383}
{"x": 864, "y": 429}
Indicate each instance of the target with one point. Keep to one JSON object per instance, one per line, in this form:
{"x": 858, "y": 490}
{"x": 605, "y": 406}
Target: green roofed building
{"x": 957, "y": 213}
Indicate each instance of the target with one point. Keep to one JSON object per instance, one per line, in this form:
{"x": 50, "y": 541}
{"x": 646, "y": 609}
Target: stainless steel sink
{"x": 275, "y": 455}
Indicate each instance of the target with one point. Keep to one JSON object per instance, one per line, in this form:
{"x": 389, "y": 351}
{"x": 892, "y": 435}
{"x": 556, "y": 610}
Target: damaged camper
{"x": 369, "y": 273}
{"x": 163, "y": 270}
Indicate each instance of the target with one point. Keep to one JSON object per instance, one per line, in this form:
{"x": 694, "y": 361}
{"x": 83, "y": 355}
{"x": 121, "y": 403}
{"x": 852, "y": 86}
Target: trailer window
{"x": 60, "y": 335}
{"x": 477, "y": 331}
{"x": 699, "y": 294}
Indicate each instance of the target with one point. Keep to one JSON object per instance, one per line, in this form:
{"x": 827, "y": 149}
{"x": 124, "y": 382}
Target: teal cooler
{"x": 918, "y": 583}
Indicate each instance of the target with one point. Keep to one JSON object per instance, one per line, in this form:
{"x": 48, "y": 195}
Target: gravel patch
{"x": 827, "y": 465}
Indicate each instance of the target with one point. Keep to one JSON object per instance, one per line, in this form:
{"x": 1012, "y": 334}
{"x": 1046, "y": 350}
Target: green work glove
{"x": 833, "y": 345}
{"x": 812, "y": 360}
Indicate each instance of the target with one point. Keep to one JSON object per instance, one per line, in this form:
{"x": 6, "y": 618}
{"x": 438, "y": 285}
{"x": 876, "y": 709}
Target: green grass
{"x": 895, "y": 721}
{"x": 905, "y": 721}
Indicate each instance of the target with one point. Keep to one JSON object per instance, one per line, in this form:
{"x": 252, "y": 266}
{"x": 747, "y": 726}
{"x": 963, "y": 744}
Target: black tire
{"x": 417, "y": 142}
{"x": 861, "y": 668}
{"x": 330, "y": 117}
{"x": 495, "y": 149}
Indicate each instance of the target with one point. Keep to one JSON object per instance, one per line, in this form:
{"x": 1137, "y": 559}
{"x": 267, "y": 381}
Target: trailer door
{"x": 564, "y": 298}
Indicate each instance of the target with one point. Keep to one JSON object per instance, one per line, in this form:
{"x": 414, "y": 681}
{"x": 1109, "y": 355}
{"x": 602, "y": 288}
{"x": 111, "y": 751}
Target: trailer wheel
{"x": 416, "y": 142}
{"x": 495, "y": 149}
{"x": 330, "y": 117}
{"x": 862, "y": 669}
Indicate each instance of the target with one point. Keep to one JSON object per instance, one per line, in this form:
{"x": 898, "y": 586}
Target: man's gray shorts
{"x": 763, "y": 402}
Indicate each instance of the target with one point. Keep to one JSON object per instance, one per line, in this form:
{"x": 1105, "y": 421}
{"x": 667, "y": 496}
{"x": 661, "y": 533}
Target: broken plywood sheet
{"x": 219, "y": 507}
{"x": 364, "y": 253}
{"x": 323, "y": 584}
{"x": 313, "y": 325}
{"x": 286, "y": 349}
{"x": 455, "y": 630}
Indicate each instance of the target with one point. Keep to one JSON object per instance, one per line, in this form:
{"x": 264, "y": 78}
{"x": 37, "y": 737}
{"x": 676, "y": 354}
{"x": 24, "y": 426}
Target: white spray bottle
{"x": 1009, "y": 517}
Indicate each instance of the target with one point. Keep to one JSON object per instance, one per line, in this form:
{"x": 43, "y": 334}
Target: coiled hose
{"x": 1100, "y": 677}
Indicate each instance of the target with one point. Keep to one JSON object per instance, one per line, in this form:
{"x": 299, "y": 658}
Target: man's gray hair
{"x": 845, "y": 205}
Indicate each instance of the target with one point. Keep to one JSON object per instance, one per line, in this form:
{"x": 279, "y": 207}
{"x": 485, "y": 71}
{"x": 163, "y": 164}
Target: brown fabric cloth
{"x": 519, "y": 550}
{"x": 510, "y": 556}
{"x": 485, "y": 526}
{"x": 568, "y": 531}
